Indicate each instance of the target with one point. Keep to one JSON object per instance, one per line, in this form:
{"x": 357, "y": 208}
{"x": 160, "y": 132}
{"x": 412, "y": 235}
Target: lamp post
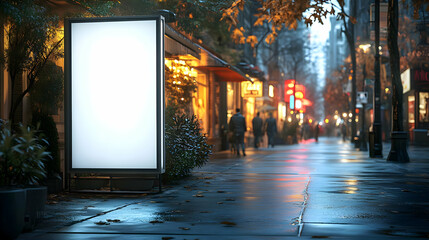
{"x": 363, "y": 145}
{"x": 378, "y": 146}
{"x": 363, "y": 139}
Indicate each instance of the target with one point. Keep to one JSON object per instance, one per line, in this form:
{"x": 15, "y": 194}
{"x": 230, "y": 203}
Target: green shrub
{"x": 22, "y": 156}
{"x": 186, "y": 145}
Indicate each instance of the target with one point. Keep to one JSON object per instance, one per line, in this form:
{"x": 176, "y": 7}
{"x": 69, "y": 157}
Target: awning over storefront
{"x": 185, "y": 47}
{"x": 222, "y": 69}
{"x": 209, "y": 61}
{"x": 225, "y": 73}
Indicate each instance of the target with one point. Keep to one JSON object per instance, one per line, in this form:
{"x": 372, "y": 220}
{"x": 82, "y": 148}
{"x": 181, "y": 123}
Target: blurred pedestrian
{"x": 344, "y": 131}
{"x": 257, "y": 129}
{"x": 316, "y": 132}
{"x": 237, "y": 125}
{"x": 271, "y": 129}
{"x": 231, "y": 141}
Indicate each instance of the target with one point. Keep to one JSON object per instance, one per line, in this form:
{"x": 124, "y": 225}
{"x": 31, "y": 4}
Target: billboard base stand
{"x": 114, "y": 183}
{"x": 159, "y": 183}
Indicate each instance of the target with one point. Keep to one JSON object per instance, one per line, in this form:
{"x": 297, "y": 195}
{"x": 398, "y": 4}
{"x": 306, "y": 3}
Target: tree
{"x": 409, "y": 32}
{"x": 32, "y": 38}
{"x": 199, "y": 20}
{"x": 46, "y": 96}
{"x": 294, "y": 48}
{"x": 313, "y": 92}
{"x": 398, "y": 151}
{"x": 276, "y": 16}
{"x": 333, "y": 93}
{"x": 295, "y": 53}
{"x": 350, "y": 35}
{"x": 281, "y": 14}
{"x": 407, "y": 41}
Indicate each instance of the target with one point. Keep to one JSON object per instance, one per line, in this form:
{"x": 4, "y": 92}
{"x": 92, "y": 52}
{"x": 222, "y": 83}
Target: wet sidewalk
{"x": 309, "y": 190}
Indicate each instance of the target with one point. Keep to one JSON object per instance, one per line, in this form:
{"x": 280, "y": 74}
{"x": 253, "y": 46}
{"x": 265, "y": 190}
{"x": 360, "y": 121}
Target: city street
{"x": 102, "y": 100}
{"x": 309, "y": 190}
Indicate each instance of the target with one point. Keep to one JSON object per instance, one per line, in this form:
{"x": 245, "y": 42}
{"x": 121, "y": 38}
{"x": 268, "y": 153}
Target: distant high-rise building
{"x": 337, "y": 49}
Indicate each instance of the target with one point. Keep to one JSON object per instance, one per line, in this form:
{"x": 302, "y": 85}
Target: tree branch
{"x": 31, "y": 76}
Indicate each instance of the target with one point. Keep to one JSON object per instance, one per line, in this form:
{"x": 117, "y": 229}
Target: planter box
{"x": 12, "y": 210}
{"x": 35, "y": 206}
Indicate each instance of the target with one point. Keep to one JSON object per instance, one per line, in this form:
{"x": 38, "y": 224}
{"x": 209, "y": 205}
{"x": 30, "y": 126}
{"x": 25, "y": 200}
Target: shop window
{"x": 271, "y": 91}
{"x": 424, "y": 106}
{"x": 249, "y": 112}
{"x": 200, "y": 101}
{"x": 411, "y": 123}
{"x": 230, "y": 100}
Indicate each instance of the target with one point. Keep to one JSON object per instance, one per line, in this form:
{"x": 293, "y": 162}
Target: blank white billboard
{"x": 116, "y": 94}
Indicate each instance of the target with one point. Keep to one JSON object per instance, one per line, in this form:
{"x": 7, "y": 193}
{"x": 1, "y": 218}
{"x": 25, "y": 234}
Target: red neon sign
{"x": 289, "y": 89}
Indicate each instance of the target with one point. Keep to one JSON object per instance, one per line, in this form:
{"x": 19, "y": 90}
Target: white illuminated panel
{"x": 113, "y": 95}
{"x": 406, "y": 81}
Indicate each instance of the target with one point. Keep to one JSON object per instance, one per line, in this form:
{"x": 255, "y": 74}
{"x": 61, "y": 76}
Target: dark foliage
{"x": 22, "y": 156}
{"x": 48, "y": 130}
{"x": 186, "y": 145}
{"x": 46, "y": 96}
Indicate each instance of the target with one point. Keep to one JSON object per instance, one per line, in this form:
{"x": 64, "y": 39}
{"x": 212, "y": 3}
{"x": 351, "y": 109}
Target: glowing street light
{"x": 365, "y": 47}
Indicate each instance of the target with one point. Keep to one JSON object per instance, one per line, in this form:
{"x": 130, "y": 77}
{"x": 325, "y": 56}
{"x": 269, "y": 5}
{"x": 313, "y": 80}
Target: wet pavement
{"x": 310, "y": 190}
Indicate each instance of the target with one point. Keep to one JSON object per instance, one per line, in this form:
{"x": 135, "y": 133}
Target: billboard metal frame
{"x": 160, "y": 102}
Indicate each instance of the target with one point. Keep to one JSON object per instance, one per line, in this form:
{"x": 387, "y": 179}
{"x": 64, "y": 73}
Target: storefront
{"x": 250, "y": 92}
{"x": 415, "y": 82}
{"x": 218, "y": 91}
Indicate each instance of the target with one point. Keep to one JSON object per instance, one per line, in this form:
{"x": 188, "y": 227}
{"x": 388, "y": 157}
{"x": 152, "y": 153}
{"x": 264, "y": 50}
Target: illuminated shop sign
{"x": 249, "y": 89}
{"x": 115, "y": 94}
{"x": 271, "y": 90}
{"x": 421, "y": 77}
{"x": 405, "y": 79}
{"x": 289, "y": 90}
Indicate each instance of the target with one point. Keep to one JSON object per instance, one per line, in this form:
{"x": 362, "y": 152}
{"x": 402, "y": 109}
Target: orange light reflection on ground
{"x": 294, "y": 198}
{"x": 351, "y": 190}
{"x": 293, "y": 188}
{"x": 250, "y": 198}
{"x": 351, "y": 182}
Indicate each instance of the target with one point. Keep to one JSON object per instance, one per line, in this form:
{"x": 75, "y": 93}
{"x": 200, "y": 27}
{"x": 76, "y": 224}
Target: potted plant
{"x": 12, "y": 200}
{"x": 22, "y": 157}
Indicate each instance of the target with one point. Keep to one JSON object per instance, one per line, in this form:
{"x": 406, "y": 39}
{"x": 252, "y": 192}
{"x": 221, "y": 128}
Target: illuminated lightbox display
{"x": 115, "y": 94}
